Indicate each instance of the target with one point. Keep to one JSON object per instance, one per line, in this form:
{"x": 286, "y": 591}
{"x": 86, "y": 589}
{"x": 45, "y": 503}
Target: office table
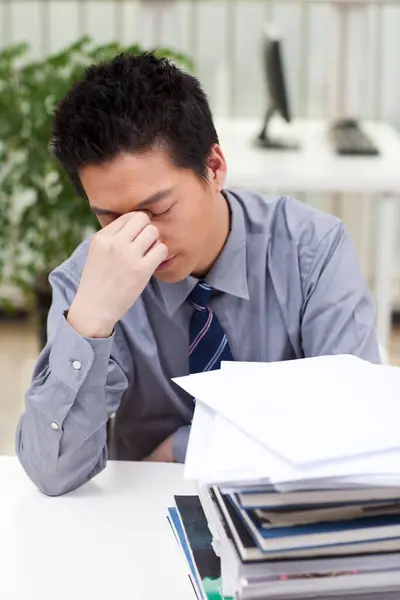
{"x": 109, "y": 539}
{"x": 316, "y": 168}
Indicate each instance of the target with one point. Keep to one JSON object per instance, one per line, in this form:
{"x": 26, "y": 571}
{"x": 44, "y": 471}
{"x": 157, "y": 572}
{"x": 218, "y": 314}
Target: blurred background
{"x": 327, "y": 71}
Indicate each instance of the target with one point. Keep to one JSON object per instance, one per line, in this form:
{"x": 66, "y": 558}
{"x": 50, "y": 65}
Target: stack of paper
{"x": 300, "y": 460}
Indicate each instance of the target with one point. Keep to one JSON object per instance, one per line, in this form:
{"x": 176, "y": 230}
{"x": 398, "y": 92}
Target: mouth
{"x": 166, "y": 263}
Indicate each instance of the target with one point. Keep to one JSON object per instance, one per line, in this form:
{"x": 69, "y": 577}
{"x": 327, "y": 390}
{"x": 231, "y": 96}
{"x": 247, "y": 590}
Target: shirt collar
{"x": 229, "y": 273}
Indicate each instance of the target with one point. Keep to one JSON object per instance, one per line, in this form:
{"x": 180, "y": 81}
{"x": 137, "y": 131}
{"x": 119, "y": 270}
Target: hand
{"x": 163, "y": 452}
{"x": 122, "y": 258}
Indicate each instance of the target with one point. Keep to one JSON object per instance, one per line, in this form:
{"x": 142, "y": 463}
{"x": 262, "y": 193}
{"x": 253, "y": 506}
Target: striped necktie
{"x": 208, "y": 344}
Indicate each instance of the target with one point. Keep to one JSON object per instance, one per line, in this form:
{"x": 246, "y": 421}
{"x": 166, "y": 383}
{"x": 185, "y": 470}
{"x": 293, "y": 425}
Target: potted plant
{"x": 42, "y": 220}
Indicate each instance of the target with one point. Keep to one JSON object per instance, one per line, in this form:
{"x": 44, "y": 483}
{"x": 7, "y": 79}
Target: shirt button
{"x": 55, "y": 426}
{"x": 77, "y": 365}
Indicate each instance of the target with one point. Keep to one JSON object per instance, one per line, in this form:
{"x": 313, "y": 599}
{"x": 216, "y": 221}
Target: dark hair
{"x": 133, "y": 104}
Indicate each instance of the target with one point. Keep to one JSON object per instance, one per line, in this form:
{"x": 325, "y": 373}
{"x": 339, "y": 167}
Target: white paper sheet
{"x": 217, "y": 449}
{"x": 219, "y": 452}
{"x": 307, "y": 411}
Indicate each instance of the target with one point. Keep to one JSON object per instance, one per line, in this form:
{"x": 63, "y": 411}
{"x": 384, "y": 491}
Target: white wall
{"x": 223, "y": 36}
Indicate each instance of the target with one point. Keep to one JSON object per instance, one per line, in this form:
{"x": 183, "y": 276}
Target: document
{"x": 309, "y": 410}
{"x": 258, "y": 421}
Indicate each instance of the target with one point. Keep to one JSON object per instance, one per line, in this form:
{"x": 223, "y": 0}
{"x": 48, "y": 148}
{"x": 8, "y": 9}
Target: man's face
{"x": 182, "y": 206}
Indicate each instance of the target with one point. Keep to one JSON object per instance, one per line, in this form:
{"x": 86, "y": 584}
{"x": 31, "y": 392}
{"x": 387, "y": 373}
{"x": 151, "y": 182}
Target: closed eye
{"x": 164, "y": 212}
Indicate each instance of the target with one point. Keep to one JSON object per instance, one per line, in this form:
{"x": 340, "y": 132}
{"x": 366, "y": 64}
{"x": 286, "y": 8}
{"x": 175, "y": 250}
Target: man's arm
{"x": 77, "y": 384}
{"x": 173, "y": 448}
{"x": 338, "y": 310}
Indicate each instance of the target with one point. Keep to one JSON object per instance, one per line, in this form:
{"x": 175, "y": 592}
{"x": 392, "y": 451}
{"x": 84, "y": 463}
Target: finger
{"x": 133, "y": 226}
{"x": 116, "y": 225}
{"x": 146, "y": 239}
{"x": 135, "y": 221}
{"x": 155, "y": 257}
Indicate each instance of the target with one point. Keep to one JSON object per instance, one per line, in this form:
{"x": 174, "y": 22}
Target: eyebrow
{"x": 151, "y": 200}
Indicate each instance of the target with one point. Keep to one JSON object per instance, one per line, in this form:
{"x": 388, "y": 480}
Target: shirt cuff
{"x": 180, "y": 443}
{"x": 79, "y": 361}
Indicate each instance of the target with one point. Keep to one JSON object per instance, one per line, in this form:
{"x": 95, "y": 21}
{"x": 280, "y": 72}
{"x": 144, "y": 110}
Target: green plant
{"x": 42, "y": 220}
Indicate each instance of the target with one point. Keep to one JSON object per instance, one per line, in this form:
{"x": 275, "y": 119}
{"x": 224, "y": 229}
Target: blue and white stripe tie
{"x": 208, "y": 344}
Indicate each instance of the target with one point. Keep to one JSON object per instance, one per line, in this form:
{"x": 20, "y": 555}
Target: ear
{"x": 217, "y": 168}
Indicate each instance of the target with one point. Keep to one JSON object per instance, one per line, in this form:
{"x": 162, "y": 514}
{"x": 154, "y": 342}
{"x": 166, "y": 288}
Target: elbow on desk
{"x": 49, "y": 486}
{"x": 61, "y": 479}
{"x": 56, "y": 483}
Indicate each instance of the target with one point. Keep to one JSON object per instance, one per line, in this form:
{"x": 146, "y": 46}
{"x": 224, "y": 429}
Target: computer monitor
{"x": 277, "y": 90}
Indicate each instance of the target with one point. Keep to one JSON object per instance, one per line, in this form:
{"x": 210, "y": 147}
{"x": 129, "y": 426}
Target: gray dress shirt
{"x": 288, "y": 286}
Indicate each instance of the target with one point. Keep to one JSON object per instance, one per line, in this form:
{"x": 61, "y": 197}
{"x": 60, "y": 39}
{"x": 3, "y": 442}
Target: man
{"x": 183, "y": 274}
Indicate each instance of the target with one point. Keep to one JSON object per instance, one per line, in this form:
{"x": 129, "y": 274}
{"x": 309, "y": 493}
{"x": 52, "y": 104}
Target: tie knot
{"x": 200, "y": 295}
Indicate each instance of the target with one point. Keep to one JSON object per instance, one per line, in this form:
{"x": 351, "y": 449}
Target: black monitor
{"x": 277, "y": 91}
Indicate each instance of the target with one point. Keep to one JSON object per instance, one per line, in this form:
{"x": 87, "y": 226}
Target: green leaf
{"x": 42, "y": 220}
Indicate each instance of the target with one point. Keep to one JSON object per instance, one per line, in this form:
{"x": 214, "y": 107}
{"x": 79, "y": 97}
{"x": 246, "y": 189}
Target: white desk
{"x": 110, "y": 539}
{"x": 316, "y": 168}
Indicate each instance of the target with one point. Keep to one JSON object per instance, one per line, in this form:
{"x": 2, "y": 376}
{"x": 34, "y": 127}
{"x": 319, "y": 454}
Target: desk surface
{"x": 315, "y": 167}
{"x": 110, "y": 539}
